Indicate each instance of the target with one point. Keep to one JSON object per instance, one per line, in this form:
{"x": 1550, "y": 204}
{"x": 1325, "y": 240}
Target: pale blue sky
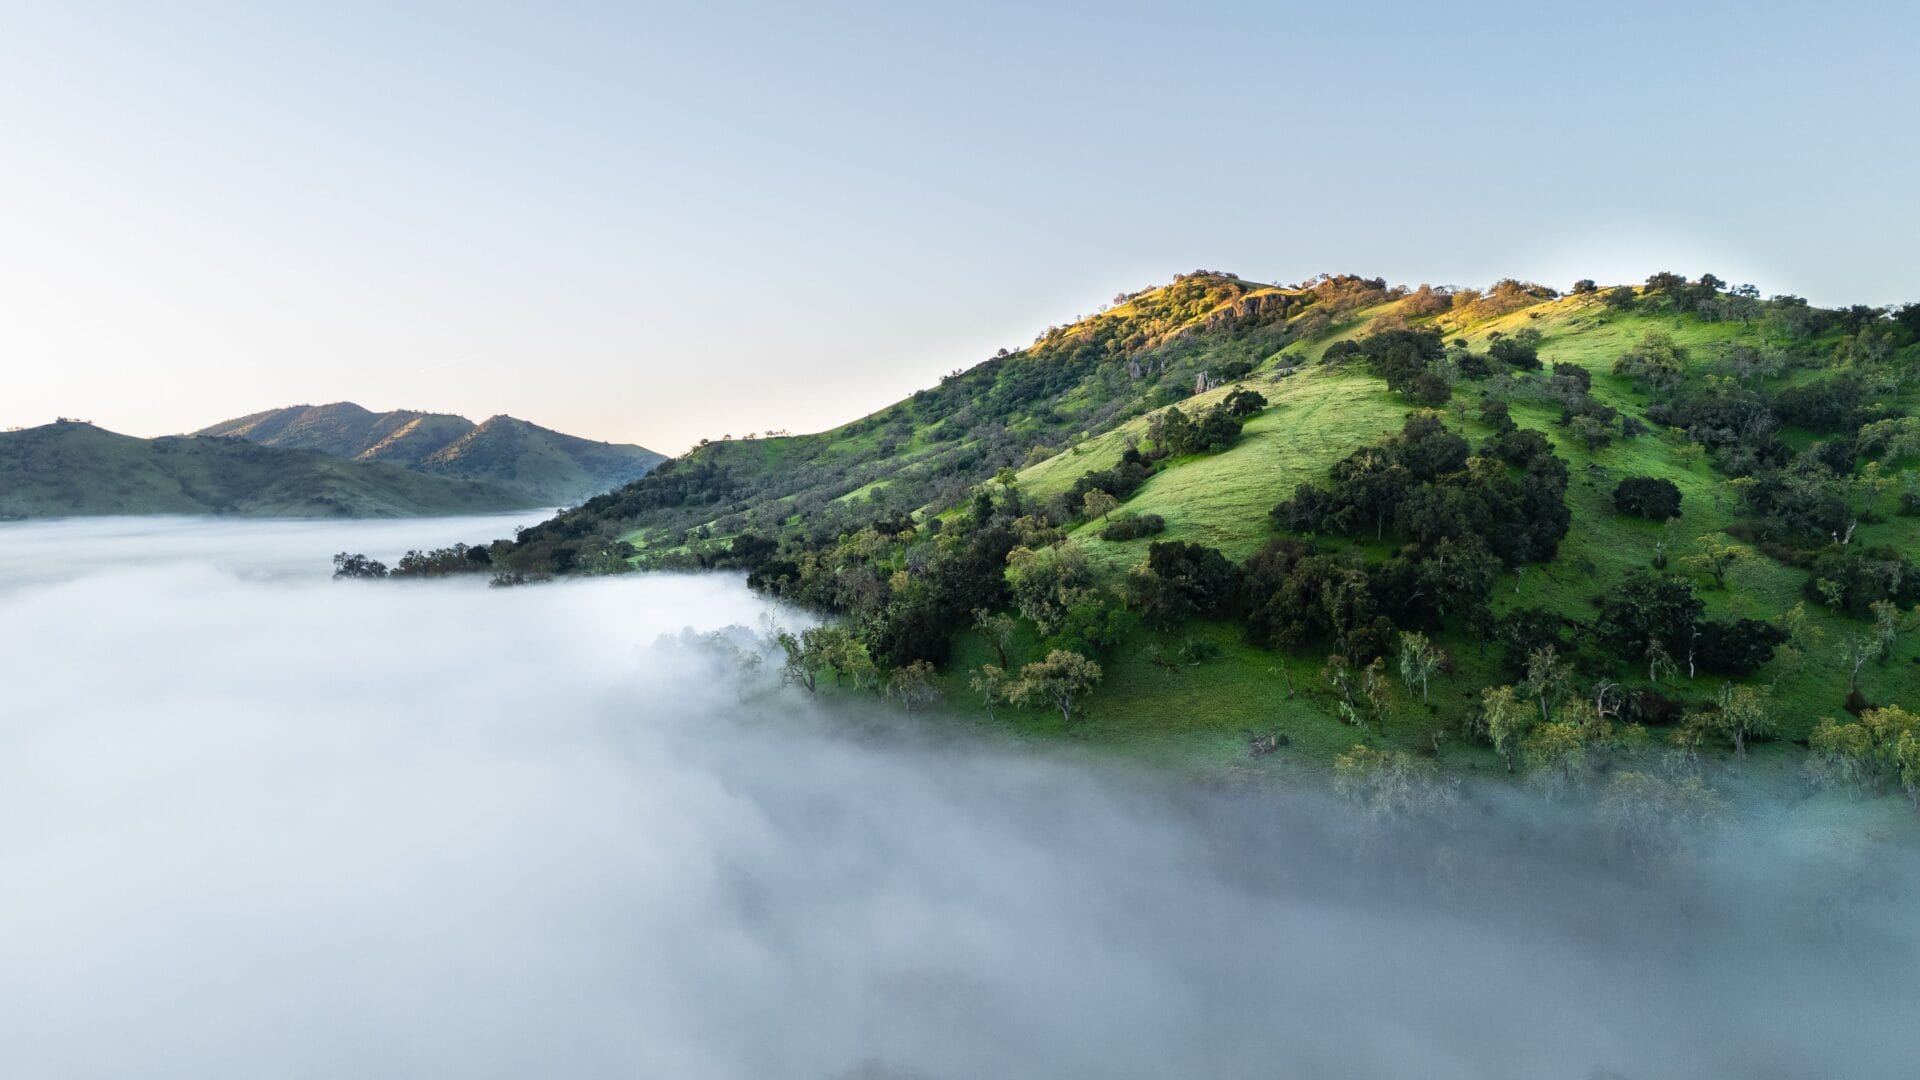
{"x": 654, "y": 223}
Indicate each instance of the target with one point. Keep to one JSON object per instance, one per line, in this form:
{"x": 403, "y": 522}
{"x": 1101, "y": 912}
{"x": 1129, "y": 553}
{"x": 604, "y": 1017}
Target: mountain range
{"x": 73, "y": 468}
{"x": 336, "y": 460}
{"x": 544, "y": 466}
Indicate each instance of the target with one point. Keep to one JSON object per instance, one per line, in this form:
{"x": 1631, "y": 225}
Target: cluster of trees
{"x": 1176, "y": 434}
{"x": 1658, "y": 620}
{"x": 1879, "y": 748}
{"x": 1406, "y": 359}
{"x": 1426, "y": 485}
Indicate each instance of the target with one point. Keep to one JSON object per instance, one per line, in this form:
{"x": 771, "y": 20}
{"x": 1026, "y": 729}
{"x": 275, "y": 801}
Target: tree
{"x": 1883, "y": 745}
{"x": 1650, "y": 816}
{"x": 914, "y": 685}
{"x": 1097, "y": 503}
{"x": 1739, "y": 647}
{"x": 1740, "y": 714}
{"x": 1060, "y": 680}
{"x": 1386, "y": 784}
{"x": 1181, "y": 580}
{"x": 1373, "y": 688}
{"x": 1556, "y": 756}
{"x": 1592, "y": 433}
{"x": 839, "y": 651}
{"x": 1547, "y": 678}
{"x": 1505, "y": 719}
{"x": 357, "y": 566}
{"x": 1049, "y": 582}
{"x": 1716, "y": 559}
{"x": 1651, "y": 617}
{"x": 998, "y": 628}
{"x": 992, "y": 684}
{"x": 1856, "y": 651}
{"x": 1419, "y": 658}
{"x": 798, "y": 670}
{"x": 1647, "y": 497}
{"x": 1886, "y": 626}
{"x": 1340, "y": 675}
{"x": 1656, "y": 361}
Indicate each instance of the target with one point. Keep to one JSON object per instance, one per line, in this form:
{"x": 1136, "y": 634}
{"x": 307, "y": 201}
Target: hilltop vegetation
{"x": 541, "y": 465}
{"x": 70, "y": 468}
{"x": 1510, "y": 528}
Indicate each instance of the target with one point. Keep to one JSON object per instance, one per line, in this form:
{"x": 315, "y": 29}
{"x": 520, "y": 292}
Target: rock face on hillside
{"x": 545, "y": 466}
{"x": 70, "y": 468}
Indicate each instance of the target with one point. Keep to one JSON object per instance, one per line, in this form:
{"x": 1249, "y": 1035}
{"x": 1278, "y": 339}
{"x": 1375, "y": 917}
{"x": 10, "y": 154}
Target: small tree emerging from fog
{"x": 1060, "y": 680}
{"x": 1505, "y": 718}
{"x": 798, "y": 670}
{"x": 1650, "y": 816}
{"x": 914, "y": 685}
{"x": 1389, "y": 784}
{"x": 1741, "y": 713}
{"x": 1547, "y": 679}
{"x": 1419, "y": 658}
{"x": 357, "y": 566}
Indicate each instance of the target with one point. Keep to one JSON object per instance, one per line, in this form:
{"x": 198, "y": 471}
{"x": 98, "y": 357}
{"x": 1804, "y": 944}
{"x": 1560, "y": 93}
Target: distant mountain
{"x": 72, "y": 468}
{"x": 544, "y": 465}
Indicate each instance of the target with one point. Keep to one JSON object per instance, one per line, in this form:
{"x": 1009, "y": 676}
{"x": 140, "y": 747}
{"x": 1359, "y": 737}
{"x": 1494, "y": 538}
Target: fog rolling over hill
{"x": 446, "y": 830}
{"x": 546, "y": 466}
{"x": 73, "y": 468}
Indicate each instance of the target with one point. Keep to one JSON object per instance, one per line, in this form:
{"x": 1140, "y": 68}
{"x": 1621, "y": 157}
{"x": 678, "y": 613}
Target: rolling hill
{"x": 545, "y": 466}
{"x": 72, "y": 468}
{"x": 1446, "y": 463}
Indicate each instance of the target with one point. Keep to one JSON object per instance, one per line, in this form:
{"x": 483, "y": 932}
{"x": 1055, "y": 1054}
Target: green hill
{"x": 72, "y": 468}
{"x": 1491, "y": 528}
{"x": 544, "y": 466}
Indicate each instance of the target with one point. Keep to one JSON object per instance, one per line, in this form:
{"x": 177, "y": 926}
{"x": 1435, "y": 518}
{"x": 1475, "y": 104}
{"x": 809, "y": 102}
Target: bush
{"x": 1647, "y": 497}
{"x": 1134, "y": 528}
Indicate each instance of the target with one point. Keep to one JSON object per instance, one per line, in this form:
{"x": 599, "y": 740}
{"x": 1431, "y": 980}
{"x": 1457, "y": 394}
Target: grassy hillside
{"x": 1787, "y": 432}
{"x": 544, "y": 466}
{"x": 70, "y": 468}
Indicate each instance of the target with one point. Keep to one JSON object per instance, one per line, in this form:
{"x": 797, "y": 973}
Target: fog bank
{"x": 259, "y": 823}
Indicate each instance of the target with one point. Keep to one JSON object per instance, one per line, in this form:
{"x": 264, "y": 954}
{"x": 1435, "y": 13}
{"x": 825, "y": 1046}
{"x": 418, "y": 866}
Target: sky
{"x": 657, "y": 223}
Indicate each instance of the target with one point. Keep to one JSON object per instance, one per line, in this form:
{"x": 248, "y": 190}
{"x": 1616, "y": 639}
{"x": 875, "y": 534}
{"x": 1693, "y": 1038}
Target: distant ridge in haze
{"x": 544, "y": 465}
{"x": 72, "y": 468}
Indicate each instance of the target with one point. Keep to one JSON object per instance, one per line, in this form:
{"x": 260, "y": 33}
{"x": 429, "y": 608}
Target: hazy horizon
{"x": 658, "y": 224}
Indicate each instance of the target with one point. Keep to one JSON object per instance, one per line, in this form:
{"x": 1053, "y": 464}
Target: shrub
{"x": 1134, "y": 527}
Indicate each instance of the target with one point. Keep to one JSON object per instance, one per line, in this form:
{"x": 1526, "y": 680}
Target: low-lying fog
{"x": 268, "y": 825}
